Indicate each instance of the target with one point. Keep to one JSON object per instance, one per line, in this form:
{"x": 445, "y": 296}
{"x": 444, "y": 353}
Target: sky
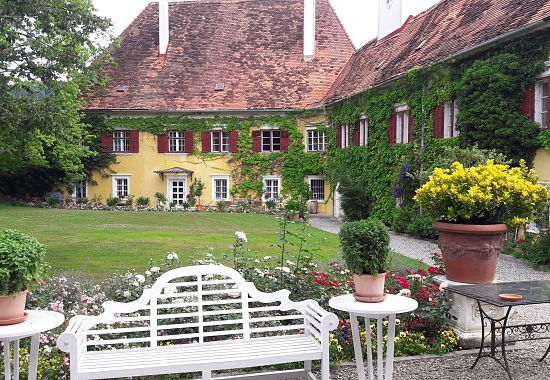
{"x": 360, "y": 17}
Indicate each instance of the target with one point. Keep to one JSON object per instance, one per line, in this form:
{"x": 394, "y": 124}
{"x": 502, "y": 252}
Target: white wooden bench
{"x": 200, "y": 319}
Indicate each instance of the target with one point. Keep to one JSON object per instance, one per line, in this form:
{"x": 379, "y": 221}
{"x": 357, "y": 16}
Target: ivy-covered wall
{"x": 488, "y": 89}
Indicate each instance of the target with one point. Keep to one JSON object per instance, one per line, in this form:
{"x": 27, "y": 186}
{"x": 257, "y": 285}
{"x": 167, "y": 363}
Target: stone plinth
{"x": 467, "y": 324}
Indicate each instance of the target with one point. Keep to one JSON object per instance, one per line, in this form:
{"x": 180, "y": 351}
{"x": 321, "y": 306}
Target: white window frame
{"x": 539, "y": 86}
{"x": 363, "y": 131}
{"x": 402, "y": 124}
{"x": 83, "y": 183}
{"x": 272, "y": 178}
{"x": 270, "y": 129}
{"x": 321, "y": 140}
{"x": 119, "y": 139}
{"x": 218, "y": 177}
{"x": 344, "y": 133}
{"x": 223, "y": 133}
{"x": 313, "y": 178}
{"x": 179, "y": 142}
{"x": 114, "y": 179}
{"x": 449, "y": 119}
{"x": 176, "y": 177}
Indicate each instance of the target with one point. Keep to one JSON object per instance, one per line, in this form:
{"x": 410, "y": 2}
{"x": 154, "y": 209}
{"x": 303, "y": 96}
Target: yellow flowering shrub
{"x": 489, "y": 193}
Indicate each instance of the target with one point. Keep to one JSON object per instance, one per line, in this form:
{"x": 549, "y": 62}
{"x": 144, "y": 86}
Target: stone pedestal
{"x": 467, "y": 324}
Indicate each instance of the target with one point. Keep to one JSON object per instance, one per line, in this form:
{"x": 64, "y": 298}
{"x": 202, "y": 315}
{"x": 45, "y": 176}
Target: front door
{"x": 177, "y": 190}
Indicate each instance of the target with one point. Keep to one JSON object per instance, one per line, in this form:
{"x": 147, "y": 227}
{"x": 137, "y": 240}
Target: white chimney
{"x": 164, "y": 27}
{"x": 309, "y": 29}
{"x": 389, "y": 17}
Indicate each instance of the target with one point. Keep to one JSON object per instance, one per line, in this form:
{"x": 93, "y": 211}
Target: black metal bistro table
{"x": 533, "y": 292}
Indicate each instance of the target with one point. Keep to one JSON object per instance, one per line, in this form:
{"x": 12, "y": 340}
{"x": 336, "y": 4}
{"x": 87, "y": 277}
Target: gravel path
{"x": 523, "y": 360}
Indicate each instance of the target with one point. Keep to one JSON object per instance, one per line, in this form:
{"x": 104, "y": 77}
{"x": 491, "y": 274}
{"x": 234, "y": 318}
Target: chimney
{"x": 389, "y": 17}
{"x": 309, "y": 29}
{"x": 164, "y": 27}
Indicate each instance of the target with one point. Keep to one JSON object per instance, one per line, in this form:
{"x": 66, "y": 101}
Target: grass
{"x": 100, "y": 243}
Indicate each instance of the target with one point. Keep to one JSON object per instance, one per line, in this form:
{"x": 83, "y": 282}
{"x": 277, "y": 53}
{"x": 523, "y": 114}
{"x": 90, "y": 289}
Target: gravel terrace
{"x": 523, "y": 358}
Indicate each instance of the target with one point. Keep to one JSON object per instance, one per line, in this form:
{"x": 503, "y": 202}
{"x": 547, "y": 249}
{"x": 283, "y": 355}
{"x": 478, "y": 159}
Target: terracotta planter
{"x": 12, "y": 309}
{"x": 369, "y": 288}
{"x": 470, "y": 251}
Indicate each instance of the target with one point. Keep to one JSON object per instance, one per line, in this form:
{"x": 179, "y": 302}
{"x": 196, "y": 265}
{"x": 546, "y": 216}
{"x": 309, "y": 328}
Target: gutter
{"x": 188, "y": 112}
{"x": 539, "y": 25}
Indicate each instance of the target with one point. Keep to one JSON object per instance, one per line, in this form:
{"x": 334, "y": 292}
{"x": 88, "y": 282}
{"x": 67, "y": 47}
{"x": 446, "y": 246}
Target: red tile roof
{"x": 442, "y": 31}
{"x": 254, "y": 47}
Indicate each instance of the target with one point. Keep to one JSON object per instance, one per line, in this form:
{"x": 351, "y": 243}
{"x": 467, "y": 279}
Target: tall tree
{"x": 46, "y": 50}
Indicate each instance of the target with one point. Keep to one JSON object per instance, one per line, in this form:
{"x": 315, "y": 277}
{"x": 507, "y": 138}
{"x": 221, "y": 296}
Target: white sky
{"x": 360, "y": 17}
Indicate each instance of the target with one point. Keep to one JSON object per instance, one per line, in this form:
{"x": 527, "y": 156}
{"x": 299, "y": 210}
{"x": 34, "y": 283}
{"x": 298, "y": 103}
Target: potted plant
{"x": 366, "y": 246}
{"x": 21, "y": 266}
{"x": 473, "y": 207}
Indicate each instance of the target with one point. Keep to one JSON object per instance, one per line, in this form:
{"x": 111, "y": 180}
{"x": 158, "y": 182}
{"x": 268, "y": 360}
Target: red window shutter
{"x": 339, "y": 136}
{"x": 206, "y": 141}
{"x": 134, "y": 141}
{"x": 439, "y": 121}
{"x": 189, "y": 141}
{"x": 107, "y": 142}
{"x": 257, "y": 141}
{"x": 392, "y": 129}
{"x": 356, "y": 134}
{"x": 528, "y": 104}
{"x": 162, "y": 143}
{"x": 285, "y": 141}
{"x": 411, "y": 121}
{"x": 233, "y": 141}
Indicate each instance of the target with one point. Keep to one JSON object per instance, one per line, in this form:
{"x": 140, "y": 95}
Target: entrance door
{"x": 177, "y": 190}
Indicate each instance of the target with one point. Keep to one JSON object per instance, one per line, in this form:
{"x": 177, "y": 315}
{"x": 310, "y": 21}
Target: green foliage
{"x": 220, "y": 205}
{"x": 296, "y": 205}
{"x": 130, "y": 200}
{"x": 143, "y": 201}
{"x": 21, "y": 262}
{"x": 356, "y": 201}
{"x": 160, "y": 197}
{"x": 53, "y": 201}
{"x": 402, "y": 217}
{"x": 195, "y": 191}
{"x": 544, "y": 139}
{"x": 421, "y": 226}
{"x": 535, "y": 249}
{"x": 365, "y": 246}
{"x": 113, "y": 201}
{"x": 271, "y": 204}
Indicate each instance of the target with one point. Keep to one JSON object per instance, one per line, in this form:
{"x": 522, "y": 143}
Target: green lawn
{"x": 102, "y": 242}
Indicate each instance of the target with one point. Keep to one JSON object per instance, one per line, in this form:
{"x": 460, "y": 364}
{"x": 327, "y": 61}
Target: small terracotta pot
{"x": 369, "y": 288}
{"x": 12, "y": 308}
{"x": 470, "y": 251}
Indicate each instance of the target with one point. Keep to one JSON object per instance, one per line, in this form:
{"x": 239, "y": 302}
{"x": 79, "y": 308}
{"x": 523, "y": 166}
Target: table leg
{"x": 545, "y": 354}
{"x": 368, "y": 334}
{"x": 380, "y": 348}
{"x": 16, "y": 360}
{"x": 7, "y": 361}
{"x": 33, "y": 361}
{"x": 357, "y": 347}
{"x": 389, "y": 352}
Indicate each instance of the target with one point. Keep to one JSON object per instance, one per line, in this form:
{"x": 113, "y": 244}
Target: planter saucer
{"x": 14, "y": 321}
{"x": 510, "y": 297}
{"x": 369, "y": 299}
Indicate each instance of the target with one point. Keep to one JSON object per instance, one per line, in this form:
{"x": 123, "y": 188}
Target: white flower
{"x": 267, "y": 257}
{"x": 135, "y": 283}
{"x": 208, "y": 277}
{"x": 128, "y": 275}
{"x": 283, "y": 269}
{"x": 127, "y": 294}
{"x": 290, "y": 263}
{"x": 443, "y": 286}
{"x": 241, "y": 237}
{"x": 170, "y": 256}
{"x": 405, "y": 292}
{"x": 148, "y": 273}
{"x": 155, "y": 269}
{"x": 170, "y": 290}
{"x": 140, "y": 278}
{"x": 208, "y": 255}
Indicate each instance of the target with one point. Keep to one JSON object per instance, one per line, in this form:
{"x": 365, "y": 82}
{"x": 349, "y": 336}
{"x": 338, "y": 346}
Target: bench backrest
{"x": 200, "y": 304}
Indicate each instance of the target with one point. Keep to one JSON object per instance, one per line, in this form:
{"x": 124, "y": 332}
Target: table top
{"x": 533, "y": 292}
{"x": 37, "y": 321}
{"x": 392, "y": 304}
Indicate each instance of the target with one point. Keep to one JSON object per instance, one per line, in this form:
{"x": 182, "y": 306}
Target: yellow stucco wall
{"x": 542, "y": 165}
{"x": 144, "y": 181}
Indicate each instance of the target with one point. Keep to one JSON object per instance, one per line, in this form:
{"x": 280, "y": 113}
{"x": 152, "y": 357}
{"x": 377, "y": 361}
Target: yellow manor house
{"x": 238, "y": 94}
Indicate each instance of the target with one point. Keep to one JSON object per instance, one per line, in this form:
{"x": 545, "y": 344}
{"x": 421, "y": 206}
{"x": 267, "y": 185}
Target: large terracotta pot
{"x": 369, "y": 288}
{"x": 470, "y": 251}
{"x": 12, "y": 309}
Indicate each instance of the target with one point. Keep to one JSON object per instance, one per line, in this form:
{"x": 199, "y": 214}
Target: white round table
{"x": 391, "y": 306}
{"x": 38, "y": 321}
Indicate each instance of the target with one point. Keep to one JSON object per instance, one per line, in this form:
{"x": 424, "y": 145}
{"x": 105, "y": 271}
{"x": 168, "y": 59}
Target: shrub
{"x": 296, "y": 206}
{"x": 365, "y": 246}
{"x": 535, "y": 249}
{"x": 356, "y": 201}
{"x": 143, "y": 201}
{"x": 402, "y": 217}
{"x": 160, "y": 197}
{"x": 421, "y": 226}
{"x": 53, "y": 201}
{"x": 196, "y": 190}
{"x": 220, "y": 205}
{"x": 130, "y": 200}
{"x": 113, "y": 201}
{"x": 21, "y": 262}
{"x": 270, "y": 204}
{"x": 82, "y": 201}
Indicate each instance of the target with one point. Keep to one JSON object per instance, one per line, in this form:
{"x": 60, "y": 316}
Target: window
{"x": 220, "y": 141}
{"x": 121, "y": 186}
{"x": 80, "y": 189}
{"x": 177, "y": 189}
{"x": 317, "y": 189}
{"x": 541, "y": 103}
{"x": 316, "y": 140}
{"x": 271, "y": 188}
{"x": 363, "y": 132}
{"x": 271, "y": 140}
{"x": 449, "y": 121}
{"x": 402, "y": 127}
{"x": 220, "y": 188}
{"x": 176, "y": 141}
{"x": 121, "y": 141}
{"x": 344, "y": 133}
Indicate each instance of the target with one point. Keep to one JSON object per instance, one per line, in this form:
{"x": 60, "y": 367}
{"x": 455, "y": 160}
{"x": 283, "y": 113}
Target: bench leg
{"x": 325, "y": 366}
{"x": 207, "y": 375}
